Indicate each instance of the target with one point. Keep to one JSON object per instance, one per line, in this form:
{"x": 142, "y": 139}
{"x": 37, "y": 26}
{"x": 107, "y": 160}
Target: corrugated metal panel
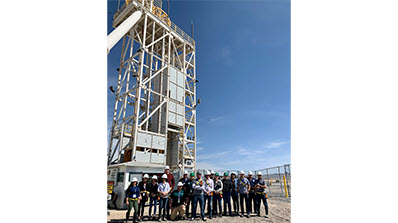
{"x": 143, "y": 156}
{"x": 173, "y": 75}
{"x": 144, "y": 140}
{"x": 172, "y": 117}
{"x": 158, "y": 158}
{"x": 172, "y": 106}
{"x": 180, "y": 120}
{"x": 180, "y": 109}
{"x": 158, "y": 142}
{"x": 180, "y": 94}
{"x": 180, "y": 79}
{"x": 173, "y": 91}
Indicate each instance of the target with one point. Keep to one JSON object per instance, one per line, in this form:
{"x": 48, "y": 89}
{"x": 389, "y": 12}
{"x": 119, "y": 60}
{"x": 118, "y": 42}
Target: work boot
{"x": 135, "y": 218}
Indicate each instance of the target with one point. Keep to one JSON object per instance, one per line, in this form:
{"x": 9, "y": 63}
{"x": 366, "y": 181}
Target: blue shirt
{"x": 133, "y": 192}
{"x": 252, "y": 183}
{"x": 164, "y": 187}
{"x": 243, "y": 185}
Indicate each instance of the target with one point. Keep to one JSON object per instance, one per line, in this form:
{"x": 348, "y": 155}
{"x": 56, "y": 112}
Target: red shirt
{"x": 170, "y": 180}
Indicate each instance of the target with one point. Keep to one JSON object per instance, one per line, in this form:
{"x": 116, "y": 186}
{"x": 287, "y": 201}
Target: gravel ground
{"x": 279, "y": 211}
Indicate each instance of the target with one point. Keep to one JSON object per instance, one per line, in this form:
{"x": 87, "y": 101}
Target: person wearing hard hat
{"x": 164, "y": 190}
{"x": 212, "y": 177}
{"x": 185, "y": 178}
{"x": 170, "y": 180}
{"x": 198, "y": 188}
{"x": 133, "y": 198}
{"x": 218, "y": 187}
{"x": 177, "y": 202}
{"x": 228, "y": 186}
{"x": 252, "y": 195}
{"x": 208, "y": 195}
{"x": 153, "y": 196}
{"x": 235, "y": 194}
{"x": 243, "y": 189}
{"x": 189, "y": 193}
{"x": 143, "y": 185}
{"x": 212, "y": 174}
{"x": 261, "y": 195}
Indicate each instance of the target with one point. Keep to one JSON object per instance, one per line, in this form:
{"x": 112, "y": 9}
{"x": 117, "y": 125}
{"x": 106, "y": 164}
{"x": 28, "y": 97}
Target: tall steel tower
{"x": 154, "y": 119}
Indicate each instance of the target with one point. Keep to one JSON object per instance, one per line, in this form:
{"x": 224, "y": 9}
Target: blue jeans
{"x": 209, "y": 201}
{"x": 153, "y": 201}
{"x": 259, "y": 198}
{"x": 227, "y": 200}
{"x": 195, "y": 200}
{"x": 162, "y": 206}
{"x": 217, "y": 202}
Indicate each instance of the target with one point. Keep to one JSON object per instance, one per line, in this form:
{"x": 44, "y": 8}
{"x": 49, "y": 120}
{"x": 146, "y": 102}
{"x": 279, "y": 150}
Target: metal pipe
{"x": 122, "y": 29}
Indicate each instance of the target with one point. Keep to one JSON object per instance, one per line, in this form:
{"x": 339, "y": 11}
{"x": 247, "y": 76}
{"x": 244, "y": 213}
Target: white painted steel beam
{"x": 122, "y": 29}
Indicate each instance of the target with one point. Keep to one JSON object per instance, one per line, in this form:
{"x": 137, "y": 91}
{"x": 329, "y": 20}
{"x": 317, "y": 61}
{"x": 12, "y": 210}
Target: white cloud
{"x": 199, "y": 148}
{"x": 275, "y": 144}
{"x": 216, "y": 118}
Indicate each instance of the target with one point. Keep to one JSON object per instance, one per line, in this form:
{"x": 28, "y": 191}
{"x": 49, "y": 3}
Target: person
{"x": 243, "y": 189}
{"x": 153, "y": 196}
{"x": 133, "y": 198}
{"x": 261, "y": 195}
{"x": 226, "y": 190}
{"x": 164, "y": 190}
{"x": 252, "y": 195}
{"x": 170, "y": 180}
{"x": 235, "y": 194}
{"x": 177, "y": 202}
{"x": 212, "y": 175}
{"x": 143, "y": 185}
{"x": 208, "y": 195}
{"x": 218, "y": 187}
{"x": 185, "y": 178}
{"x": 189, "y": 193}
{"x": 114, "y": 198}
{"x": 198, "y": 188}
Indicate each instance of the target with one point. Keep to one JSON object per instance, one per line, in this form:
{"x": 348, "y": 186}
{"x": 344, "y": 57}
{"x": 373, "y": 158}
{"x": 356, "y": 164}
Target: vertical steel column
{"x": 114, "y": 122}
{"x": 139, "y": 88}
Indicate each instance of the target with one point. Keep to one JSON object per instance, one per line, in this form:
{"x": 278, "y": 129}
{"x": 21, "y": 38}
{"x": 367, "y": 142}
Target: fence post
{"x": 280, "y": 179}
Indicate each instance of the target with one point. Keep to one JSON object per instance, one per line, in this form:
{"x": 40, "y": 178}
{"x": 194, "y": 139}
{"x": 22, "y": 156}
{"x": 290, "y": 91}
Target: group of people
{"x": 190, "y": 191}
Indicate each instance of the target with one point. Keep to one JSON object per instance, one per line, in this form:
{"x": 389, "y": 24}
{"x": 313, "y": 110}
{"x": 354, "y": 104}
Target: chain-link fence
{"x": 278, "y": 178}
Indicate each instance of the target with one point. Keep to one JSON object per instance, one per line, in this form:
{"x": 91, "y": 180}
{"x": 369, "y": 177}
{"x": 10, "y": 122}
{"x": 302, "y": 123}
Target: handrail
{"x": 158, "y": 12}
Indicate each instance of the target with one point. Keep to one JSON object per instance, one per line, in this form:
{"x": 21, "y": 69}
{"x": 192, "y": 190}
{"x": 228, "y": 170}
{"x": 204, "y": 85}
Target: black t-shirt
{"x": 153, "y": 188}
{"x": 143, "y": 188}
{"x": 188, "y": 187}
{"x": 227, "y": 185}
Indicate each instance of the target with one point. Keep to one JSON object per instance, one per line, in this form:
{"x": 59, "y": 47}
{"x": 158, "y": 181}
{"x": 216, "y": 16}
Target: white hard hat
{"x": 212, "y": 172}
{"x": 134, "y": 179}
{"x": 233, "y": 173}
{"x": 167, "y": 168}
{"x": 241, "y": 172}
{"x": 164, "y": 176}
{"x": 185, "y": 171}
{"x": 250, "y": 173}
{"x": 259, "y": 174}
{"x": 154, "y": 177}
{"x": 146, "y": 176}
{"x": 207, "y": 173}
{"x": 180, "y": 184}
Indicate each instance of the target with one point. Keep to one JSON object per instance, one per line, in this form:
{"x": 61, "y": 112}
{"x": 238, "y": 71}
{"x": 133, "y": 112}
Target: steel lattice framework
{"x": 154, "y": 119}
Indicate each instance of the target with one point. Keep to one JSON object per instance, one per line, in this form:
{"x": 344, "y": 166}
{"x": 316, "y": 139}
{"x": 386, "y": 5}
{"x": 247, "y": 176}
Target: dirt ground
{"x": 279, "y": 211}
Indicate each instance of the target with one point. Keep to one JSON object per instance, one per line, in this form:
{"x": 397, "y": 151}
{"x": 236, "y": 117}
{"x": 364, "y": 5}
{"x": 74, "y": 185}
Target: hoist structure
{"x": 154, "y": 118}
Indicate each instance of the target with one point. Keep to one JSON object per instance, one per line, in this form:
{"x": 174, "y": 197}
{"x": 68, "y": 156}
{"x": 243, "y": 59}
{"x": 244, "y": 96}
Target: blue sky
{"x": 243, "y": 68}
